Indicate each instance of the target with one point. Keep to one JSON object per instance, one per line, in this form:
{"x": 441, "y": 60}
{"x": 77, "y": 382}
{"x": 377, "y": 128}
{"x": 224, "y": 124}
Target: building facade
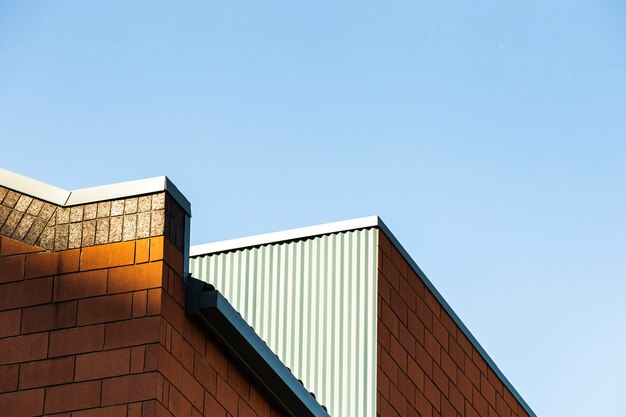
{"x": 105, "y": 310}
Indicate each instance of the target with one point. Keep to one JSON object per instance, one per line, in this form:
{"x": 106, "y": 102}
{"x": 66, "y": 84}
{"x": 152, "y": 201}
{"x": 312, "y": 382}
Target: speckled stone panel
{"x": 55, "y": 228}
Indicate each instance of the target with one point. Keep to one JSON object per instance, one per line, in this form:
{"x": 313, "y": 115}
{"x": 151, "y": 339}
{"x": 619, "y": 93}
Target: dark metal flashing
{"x": 383, "y": 227}
{"x": 222, "y": 321}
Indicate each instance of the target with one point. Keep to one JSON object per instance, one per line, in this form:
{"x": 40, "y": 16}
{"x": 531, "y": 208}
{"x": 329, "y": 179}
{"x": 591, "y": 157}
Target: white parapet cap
{"x": 285, "y": 235}
{"x": 65, "y": 198}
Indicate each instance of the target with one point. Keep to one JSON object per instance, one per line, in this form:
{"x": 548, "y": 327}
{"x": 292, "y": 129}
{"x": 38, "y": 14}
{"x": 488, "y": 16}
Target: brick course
{"x": 101, "y": 331}
{"x": 426, "y": 365}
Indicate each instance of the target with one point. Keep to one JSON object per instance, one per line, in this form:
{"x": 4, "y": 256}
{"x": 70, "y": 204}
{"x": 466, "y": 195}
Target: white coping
{"x": 285, "y": 235}
{"x": 66, "y": 198}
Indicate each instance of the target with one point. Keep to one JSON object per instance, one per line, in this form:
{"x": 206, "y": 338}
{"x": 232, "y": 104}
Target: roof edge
{"x": 285, "y": 235}
{"x": 457, "y": 320}
{"x": 348, "y": 225}
{"x": 33, "y": 187}
{"x": 65, "y": 198}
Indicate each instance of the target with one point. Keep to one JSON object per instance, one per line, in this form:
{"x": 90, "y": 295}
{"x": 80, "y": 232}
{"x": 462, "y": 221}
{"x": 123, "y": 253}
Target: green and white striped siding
{"x": 313, "y": 301}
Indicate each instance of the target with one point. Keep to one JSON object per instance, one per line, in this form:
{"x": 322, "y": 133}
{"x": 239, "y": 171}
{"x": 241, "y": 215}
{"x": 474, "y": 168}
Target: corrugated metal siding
{"x": 313, "y": 301}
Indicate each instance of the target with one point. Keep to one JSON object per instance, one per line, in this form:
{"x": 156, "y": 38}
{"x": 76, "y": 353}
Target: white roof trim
{"x": 286, "y": 235}
{"x": 33, "y": 187}
{"x": 63, "y": 197}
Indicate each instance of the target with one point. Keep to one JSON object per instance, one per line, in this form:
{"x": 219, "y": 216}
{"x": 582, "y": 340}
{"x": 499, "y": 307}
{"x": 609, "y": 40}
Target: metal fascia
{"x": 33, "y": 188}
{"x": 66, "y": 198}
{"x": 284, "y": 236}
{"x": 220, "y": 318}
{"x": 454, "y": 316}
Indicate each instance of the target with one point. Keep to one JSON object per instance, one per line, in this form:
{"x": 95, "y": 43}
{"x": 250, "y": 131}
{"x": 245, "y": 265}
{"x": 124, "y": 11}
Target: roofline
{"x": 457, "y": 320}
{"x": 348, "y": 225}
{"x": 219, "y": 318}
{"x": 65, "y": 198}
{"x": 284, "y": 236}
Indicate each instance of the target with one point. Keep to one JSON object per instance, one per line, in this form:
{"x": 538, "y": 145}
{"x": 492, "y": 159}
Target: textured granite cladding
{"x": 55, "y": 228}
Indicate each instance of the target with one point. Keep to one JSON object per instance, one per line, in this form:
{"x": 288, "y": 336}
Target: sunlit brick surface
{"x": 100, "y": 331}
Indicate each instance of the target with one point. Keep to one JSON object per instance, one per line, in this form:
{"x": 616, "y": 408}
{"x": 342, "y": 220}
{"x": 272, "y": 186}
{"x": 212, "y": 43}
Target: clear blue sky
{"x": 490, "y": 136}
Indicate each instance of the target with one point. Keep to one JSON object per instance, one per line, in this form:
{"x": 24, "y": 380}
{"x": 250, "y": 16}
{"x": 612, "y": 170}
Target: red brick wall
{"x": 101, "y": 332}
{"x": 426, "y": 365}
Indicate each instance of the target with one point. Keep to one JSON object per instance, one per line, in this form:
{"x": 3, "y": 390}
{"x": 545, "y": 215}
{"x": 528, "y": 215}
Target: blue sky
{"x": 490, "y": 136}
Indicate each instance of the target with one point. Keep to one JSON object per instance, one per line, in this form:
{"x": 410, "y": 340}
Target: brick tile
{"x": 205, "y": 374}
{"x": 399, "y": 306}
{"x": 456, "y": 399}
{"x": 480, "y": 403}
{"x": 432, "y": 303}
{"x": 79, "y": 340}
{"x": 13, "y": 247}
{"x": 102, "y": 364}
{"x": 245, "y": 410}
{"x": 195, "y": 335}
{"x": 464, "y": 385}
{"x": 440, "y": 333}
{"x": 114, "y": 411}
{"x": 238, "y": 381}
{"x": 397, "y": 401}
{"x": 179, "y": 289}
{"x": 132, "y": 332}
{"x": 213, "y": 408}
{"x": 130, "y": 388}
{"x": 104, "y": 309}
{"x": 22, "y": 403}
{"x": 154, "y": 301}
{"x": 72, "y": 397}
{"x": 170, "y": 368}
{"x": 473, "y": 373}
{"x": 25, "y": 293}
{"x": 134, "y": 410}
{"x": 151, "y": 358}
{"x": 140, "y": 301}
{"x": 194, "y": 392}
{"x": 142, "y": 251}
{"x": 448, "y": 366}
{"x": 227, "y": 396}
{"x": 259, "y": 403}
{"x": 178, "y": 404}
{"x": 422, "y": 405}
{"x": 216, "y": 357}
{"x": 162, "y": 249}
{"x": 10, "y": 321}
{"x": 23, "y": 348}
{"x": 494, "y": 380}
{"x": 46, "y": 373}
{"x": 80, "y": 285}
{"x": 406, "y": 387}
{"x": 136, "y": 277}
{"x": 389, "y": 366}
{"x": 11, "y": 269}
{"x": 398, "y": 353}
{"x": 137, "y": 359}
{"x": 51, "y": 263}
{"x": 106, "y": 256}
{"x": 155, "y": 409}
{"x": 182, "y": 351}
{"x": 457, "y": 354}
{"x": 8, "y": 378}
{"x": 416, "y": 374}
{"x": 49, "y": 317}
{"x": 432, "y": 393}
{"x": 173, "y": 312}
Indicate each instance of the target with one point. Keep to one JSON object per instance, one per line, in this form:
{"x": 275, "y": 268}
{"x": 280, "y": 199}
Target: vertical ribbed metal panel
{"x": 313, "y": 301}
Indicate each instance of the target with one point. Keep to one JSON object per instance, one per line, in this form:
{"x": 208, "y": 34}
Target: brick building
{"x": 105, "y": 310}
